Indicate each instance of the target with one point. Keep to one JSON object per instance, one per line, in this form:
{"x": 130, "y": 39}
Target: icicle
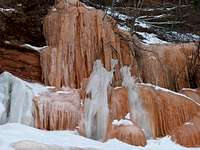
{"x": 58, "y": 110}
{"x": 96, "y": 106}
{"x": 138, "y": 114}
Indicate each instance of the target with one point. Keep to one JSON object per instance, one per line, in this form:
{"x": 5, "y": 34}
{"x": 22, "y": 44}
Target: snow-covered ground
{"x": 158, "y": 36}
{"x": 12, "y": 133}
{"x": 150, "y": 38}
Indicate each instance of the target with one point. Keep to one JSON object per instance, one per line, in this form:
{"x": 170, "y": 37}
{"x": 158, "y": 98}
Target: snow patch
{"x": 189, "y": 123}
{"x": 186, "y": 37}
{"x": 150, "y": 38}
{"x": 33, "y": 47}
{"x": 123, "y": 122}
{"x": 7, "y": 10}
{"x": 128, "y": 116}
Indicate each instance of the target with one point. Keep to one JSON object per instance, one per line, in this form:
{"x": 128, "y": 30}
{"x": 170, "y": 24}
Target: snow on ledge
{"x": 150, "y": 38}
{"x": 122, "y": 122}
{"x": 169, "y": 91}
{"x": 33, "y": 47}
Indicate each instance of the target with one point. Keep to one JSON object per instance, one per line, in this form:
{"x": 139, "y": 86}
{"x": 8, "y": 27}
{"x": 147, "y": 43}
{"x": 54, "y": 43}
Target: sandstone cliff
{"x": 78, "y": 35}
{"x": 22, "y": 62}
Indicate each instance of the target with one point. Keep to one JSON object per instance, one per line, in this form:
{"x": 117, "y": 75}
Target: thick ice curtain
{"x": 96, "y": 105}
{"x": 138, "y": 114}
{"x": 15, "y": 100}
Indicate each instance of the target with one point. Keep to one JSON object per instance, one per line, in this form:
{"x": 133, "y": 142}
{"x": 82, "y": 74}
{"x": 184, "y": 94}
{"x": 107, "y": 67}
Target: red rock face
{"x": 58, "y": 109}
{"x": 21, "y": 62}
{"x": 77, "y": 36}
{"x": 192, "y": 93}
{"x": 166, "y": 109}
{"x": 130, "y": 134}
{"x": 118, "y": 103}
{"x": 167, "y": 65}
{"x": 189, "y": 133}
{"x": 170, "y": 113}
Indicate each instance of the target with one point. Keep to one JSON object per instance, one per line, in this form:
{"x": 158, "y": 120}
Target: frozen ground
{"x": 12, "y": 133}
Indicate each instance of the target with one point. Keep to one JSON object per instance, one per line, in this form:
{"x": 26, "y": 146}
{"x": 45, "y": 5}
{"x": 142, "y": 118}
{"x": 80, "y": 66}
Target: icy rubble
{"x": 16, "y": 98}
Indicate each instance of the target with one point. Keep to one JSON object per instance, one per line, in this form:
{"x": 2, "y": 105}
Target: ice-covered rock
{"x": 16, "y": 98}
{"x": 58, "y": 109}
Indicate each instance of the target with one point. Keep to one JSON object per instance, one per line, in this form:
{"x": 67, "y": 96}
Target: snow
{"x": 19, "y": 5}
{"x": 189, "y": 123}
{"x": 54, "y": 9}
{"x": 28, "y": 46}
{"x": 126, "y": 121}
{"x": 169, "y": 91}
{"x": 141, "y": 24}
{"x": 123, "y": 27}
{"x": 118, "y": 15}
{"x": 7, "y": 42}
{"x": 165, "y": 144}
{"x": 33, "y": 47}
{"x": 12, "y": 133}
{"x": 128, "y": 116}
{"x": 194, "y": 90}
{"x": 186, "y": 37}
{"x": 123, "y": 122}
{"x": 150, "y": 38}
{"x": 16, "y": 98}
{"x": 7, "y": 10}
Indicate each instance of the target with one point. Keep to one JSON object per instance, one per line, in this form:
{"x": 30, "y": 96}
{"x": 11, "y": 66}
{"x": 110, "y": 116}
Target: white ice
{"x": 96, "y": 106}
{"x": 16, "y": 98}
{"x": 138, "y": 114}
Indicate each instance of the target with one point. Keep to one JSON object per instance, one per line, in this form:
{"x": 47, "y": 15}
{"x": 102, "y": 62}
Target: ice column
{"x": 96, "y": 105}
{"x": 138, "y": 114}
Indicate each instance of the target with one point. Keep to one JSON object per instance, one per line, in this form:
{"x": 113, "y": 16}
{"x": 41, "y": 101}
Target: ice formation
{"x": 138, "y": 114}
{"x": 58, "y": 110}
{"x": 75, "y": 43}
{"x": 16, "y": 99}
{"x": 96, "y": 106}
{"x": 170, "y": 112}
